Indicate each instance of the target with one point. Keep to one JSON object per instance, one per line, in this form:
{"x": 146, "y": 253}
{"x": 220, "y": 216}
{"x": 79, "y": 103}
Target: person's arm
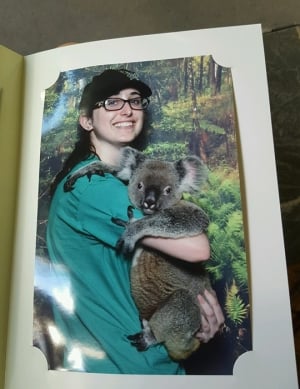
{"x": 190, "y": 249}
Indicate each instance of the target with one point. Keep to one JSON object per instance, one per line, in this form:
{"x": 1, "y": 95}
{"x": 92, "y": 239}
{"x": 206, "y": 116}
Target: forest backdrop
{"x": 191, "y": 112}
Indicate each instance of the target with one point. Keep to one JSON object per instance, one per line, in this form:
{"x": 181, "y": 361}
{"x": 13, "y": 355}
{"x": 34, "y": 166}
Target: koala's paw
{"x": 142, "y": 340}
{"x": 125, "y": 245}
{"x": 119, "y": 222}
{"x": 130, "y": 212}
{"x": 138, "y": 341}
{"x": 71, "y": 180}
{"x": 69, "y": 184}
{"x": 85, "y": 171}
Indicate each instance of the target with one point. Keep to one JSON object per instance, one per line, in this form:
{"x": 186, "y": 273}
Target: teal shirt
{"x": 95, "y": 311}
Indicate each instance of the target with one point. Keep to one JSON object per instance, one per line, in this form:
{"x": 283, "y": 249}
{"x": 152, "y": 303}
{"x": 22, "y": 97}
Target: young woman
{"x": 98, "y": 313}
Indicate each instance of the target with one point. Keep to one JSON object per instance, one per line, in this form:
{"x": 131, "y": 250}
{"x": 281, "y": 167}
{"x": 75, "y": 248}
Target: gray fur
{"x": 165, "y": 289}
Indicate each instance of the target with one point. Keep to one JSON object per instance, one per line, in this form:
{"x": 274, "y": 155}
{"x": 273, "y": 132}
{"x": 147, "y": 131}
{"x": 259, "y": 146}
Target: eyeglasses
{"x": 115, "y": 104}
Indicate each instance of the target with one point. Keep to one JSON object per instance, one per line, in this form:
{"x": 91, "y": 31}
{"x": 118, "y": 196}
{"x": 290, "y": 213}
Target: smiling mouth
{"x": 124, "y": 124}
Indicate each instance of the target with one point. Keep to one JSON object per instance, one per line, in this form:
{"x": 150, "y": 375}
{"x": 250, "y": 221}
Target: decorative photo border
{"x": 191, "y": 112}
{"x": 272, "y": 361}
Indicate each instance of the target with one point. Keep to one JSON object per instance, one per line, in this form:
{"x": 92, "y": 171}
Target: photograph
{"x": 171, "y": 123}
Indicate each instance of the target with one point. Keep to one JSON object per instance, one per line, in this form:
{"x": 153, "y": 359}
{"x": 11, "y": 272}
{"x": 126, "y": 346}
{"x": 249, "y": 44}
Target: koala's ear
{"x": 192, "y": 174}
{"x": 129, "y": 161}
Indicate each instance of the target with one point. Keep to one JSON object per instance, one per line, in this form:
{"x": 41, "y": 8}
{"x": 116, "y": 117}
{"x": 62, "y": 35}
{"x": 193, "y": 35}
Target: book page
{"x": 11, "y": 91}
{"x": 241, "y": 50}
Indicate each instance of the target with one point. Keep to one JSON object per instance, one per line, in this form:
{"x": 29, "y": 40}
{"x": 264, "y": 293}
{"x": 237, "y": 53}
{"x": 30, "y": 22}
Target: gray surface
{"x": 282, "y": 49}
{"x": 29, "y": 26}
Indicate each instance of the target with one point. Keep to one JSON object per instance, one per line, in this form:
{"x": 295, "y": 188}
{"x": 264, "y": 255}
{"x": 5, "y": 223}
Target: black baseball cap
{"x": 110, "y": 82}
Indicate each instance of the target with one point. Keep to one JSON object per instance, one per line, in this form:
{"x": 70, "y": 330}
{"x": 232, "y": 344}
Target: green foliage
{"x": 50, "y": 101}
{"x": 236, "y": 309}
{"x": 211, "y": 127}
{"x": 222, "y": 202}
{"x": 166, "y": 151}
{"x": 177, "y": 114}
{"x": 228, "y": 268}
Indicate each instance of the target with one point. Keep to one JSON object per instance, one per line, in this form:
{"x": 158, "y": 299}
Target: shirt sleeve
{"x": 102, "y": 199}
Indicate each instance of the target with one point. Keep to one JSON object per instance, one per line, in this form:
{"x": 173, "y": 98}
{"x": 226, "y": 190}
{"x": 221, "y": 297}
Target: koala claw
{"x": 123, "y": 247}
{"x": 119, "y": 245}
{"x": 130, "y": 212}
{"x": 138, "y": 341}
{"x": 119, "y": 222}
{"x": 85, "y": 171}
{"x": 69, "y": 184}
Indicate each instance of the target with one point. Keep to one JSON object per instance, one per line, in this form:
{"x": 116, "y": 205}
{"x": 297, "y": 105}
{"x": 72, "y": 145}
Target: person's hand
{"x": 212, "y": 316}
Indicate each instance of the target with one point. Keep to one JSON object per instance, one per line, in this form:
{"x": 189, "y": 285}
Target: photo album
{"x": 143, "y": 243}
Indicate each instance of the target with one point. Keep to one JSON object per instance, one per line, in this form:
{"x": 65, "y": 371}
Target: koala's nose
{"x": 149, "y": 204}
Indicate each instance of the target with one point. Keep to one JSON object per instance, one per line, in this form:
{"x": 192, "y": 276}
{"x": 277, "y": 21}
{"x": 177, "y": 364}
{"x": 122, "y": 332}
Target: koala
{"x": 164, "y": 288}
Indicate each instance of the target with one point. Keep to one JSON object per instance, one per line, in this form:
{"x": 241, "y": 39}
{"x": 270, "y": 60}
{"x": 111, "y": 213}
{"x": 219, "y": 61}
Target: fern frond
{"x": 235, "y": 308}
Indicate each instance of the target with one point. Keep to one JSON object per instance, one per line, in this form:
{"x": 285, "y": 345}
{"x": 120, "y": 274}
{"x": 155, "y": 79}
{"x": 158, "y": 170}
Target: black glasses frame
{"x": 105, "y": 103}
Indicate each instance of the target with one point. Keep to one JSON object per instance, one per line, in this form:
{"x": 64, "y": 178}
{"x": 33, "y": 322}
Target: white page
{"x": 271, "y": 364}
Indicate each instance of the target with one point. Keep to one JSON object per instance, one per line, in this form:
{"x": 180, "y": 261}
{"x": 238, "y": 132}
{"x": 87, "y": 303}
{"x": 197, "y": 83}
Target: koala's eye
{"x": 167, "y": 190}
{"x": 140, "y": 186}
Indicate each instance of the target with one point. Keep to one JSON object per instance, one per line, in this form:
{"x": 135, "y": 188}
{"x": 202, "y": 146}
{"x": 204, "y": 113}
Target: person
{"x": 97, "y": 313}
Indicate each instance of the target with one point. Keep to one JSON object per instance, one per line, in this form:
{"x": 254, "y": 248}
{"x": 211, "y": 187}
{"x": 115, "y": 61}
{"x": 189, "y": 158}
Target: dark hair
{"x": 107, "y": 83}
{"x": 82, "y": 150}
